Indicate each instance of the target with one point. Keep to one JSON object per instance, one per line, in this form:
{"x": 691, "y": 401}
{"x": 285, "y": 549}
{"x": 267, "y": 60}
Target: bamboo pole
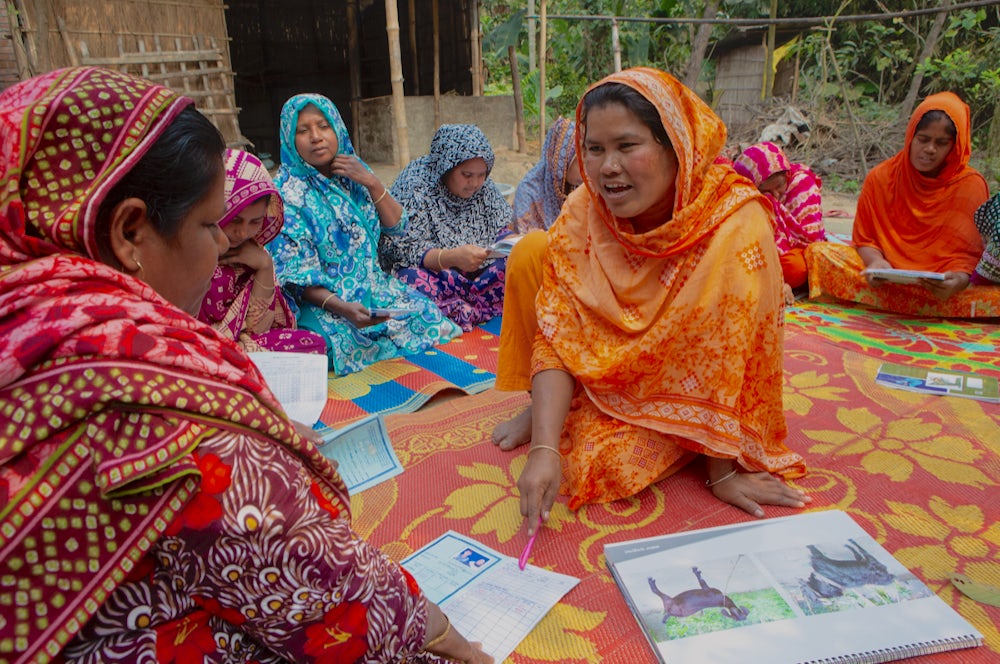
{"x": 532, "y": 35}
{"x": 354, "y": 67}
{"x": 436, "y": 19}
{"x": 43, "y": 54}
{"x": 415, "y": 73}
{"x": 515, "y": 77}
{"x": 616, "y": 45}
{"x": 24, "y": 65}
{"x": 543, "y": 49}
{"x": 26, "y": 39}
{"x": 769, "y": 59}
{"x": 67, "y": 42}
{"x": 396, "y": 76}
{"x": 475, "y": 48}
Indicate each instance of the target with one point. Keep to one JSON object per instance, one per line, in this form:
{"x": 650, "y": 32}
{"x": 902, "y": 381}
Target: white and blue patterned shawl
{"x": 437, "y": 217}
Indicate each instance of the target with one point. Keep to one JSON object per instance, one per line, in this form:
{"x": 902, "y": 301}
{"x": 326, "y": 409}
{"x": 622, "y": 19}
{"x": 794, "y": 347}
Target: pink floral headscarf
{"x": 247, "y": 181}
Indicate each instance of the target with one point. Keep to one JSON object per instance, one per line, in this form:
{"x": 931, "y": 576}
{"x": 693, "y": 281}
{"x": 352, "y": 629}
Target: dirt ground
{"x": 511, "y": 166}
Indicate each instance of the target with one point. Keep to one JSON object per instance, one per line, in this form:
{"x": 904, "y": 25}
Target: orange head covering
{"x": 677, "y": 329}
{"x": 697, "y": 136}
{"x": 920, "y": 222}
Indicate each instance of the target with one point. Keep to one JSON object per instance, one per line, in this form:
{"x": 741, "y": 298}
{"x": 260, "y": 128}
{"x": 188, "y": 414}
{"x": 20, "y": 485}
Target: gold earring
{"x": 138, "y": 263}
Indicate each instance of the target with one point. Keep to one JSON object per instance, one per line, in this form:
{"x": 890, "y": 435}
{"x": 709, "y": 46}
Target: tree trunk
{"x": 700, "y": 44}
{"x": 929, "y": 45}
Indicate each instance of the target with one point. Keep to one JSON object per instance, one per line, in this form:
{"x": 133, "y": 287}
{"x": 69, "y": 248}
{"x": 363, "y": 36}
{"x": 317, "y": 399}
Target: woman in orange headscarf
{"x": 660, "y": 313}
{"x": 915, "y": 212}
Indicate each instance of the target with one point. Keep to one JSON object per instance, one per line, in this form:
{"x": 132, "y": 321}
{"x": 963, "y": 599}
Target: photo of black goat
{"x": 690, "y": 602}
{"x": 830, "y": 576}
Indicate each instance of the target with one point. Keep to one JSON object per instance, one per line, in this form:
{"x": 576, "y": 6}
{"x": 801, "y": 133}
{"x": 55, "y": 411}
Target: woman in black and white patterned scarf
{"x": 455, "y": 213}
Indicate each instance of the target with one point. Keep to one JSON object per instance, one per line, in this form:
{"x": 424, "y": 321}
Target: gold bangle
{"x": 440, "y": 637}
{"x": 385, "y": 190}
{"x": 728, "y": 476}
{"x": 440, "y": 264}
{"x": 325, "y": 300}
{"x": 545, "y": 447}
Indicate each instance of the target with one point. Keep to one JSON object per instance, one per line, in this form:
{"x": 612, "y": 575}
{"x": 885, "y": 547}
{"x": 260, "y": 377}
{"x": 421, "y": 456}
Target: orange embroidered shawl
{"x": 678, "y": 330}
{"x": 923, "y": 223}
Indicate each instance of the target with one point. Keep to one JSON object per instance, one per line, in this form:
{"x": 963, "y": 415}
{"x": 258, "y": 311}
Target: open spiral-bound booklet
{"x": 812, "y": 588}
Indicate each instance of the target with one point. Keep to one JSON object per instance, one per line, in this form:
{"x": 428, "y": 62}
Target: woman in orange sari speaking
{"x": 660, "y": 314}
{"x": 915, "y": 212}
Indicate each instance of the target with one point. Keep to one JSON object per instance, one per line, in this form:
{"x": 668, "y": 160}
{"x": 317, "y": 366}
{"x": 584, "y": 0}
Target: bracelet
{"x": 325, "y": 300}
{"x": 440, "y": 637}
{"x": 263, "y": 285}
{"x": 728, "y": 476}
{"x": 440, "y": 264}
{"x": 385, "y": 190}
{"x": 545, "y": 447}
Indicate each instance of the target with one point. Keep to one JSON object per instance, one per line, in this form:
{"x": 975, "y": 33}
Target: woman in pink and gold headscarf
{"x": 244, "y": 301}
{"x": 659, "y": 316}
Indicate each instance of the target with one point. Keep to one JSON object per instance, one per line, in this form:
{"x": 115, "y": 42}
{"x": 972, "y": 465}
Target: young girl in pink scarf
{"x": 244, "y": 301}
{"x": 794, "y": 193}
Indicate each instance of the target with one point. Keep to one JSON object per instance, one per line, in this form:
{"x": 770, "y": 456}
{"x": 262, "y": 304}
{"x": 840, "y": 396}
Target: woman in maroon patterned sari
{"x": 156, "y": 504}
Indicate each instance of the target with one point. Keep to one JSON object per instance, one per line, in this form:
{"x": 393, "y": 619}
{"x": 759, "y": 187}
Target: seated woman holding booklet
{"x": 154, "y": 497}
{"x": 456, "y": 214}
{"x": 915, "y": 212}
{"x": 659, "y": 314}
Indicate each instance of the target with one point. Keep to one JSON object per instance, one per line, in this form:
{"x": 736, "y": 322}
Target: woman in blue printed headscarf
{"x": 456, "y": 213}
{"x": 326, "y": 254}
{"x": 544, "y": 188}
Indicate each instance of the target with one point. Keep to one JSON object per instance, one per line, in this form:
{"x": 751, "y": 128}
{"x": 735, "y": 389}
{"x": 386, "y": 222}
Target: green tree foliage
{"x": 875, "y": 58}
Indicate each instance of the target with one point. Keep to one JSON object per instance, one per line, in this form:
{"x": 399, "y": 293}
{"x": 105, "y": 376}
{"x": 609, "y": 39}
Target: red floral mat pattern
{"x": 919, "y": 473}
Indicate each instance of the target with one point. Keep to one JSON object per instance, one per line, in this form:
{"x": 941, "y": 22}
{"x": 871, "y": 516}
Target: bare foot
{"x": 514, "y": 432}
{"x": 788, "y": 294}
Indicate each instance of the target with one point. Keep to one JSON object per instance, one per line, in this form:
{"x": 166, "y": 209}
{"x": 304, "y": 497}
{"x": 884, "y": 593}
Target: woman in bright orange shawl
{"x": 660, "y": 314}
{"x": 915, "y": 212}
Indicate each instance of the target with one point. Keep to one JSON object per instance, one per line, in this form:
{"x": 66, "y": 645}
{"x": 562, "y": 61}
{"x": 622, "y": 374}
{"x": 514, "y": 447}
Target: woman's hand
{"x": 467, "y": 258}
{"x": 250, "y": 254}
{"x": 873, "y": 259}
{"x": 954, "y": 282}
{"x": 749, "y": 491}
{"x": 538, "y": 486}
{"x": 444, "y": 640}
{"x": 358, "y": 315}
{"x": 350, "y": 167}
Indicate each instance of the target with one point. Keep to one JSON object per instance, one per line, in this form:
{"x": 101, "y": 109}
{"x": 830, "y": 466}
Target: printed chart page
{"x": 486, "y": 596}
{"x": 363, "y": 453}
{"x": 298, "y": 381}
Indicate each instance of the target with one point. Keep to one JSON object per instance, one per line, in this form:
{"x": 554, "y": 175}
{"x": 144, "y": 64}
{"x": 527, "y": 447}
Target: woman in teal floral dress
{"x": 326, "y": 254}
